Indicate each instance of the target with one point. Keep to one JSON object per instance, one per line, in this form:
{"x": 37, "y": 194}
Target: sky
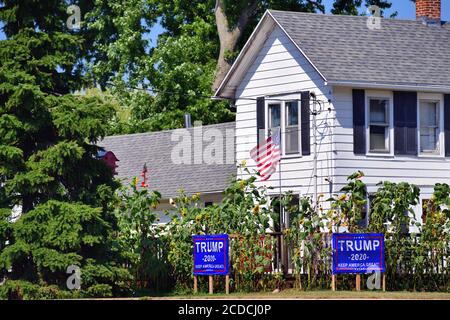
{"x": 405, "y": 9}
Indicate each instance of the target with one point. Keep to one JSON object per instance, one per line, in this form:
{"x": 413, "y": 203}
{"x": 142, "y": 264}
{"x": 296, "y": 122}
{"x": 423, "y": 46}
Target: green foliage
{"x": 116, "y": 31}
{"x": 351, "y": 7}
{"x": 182, "y": 71}
{"x": 55, "y": 235}
{"x": 179, "y": 69}
{"x": 392, "y": 214}
{"x": 141, "y": 238}
{"x": 391, "y": 208}
{"x": 431, "y": 248}
{"x": 48, "y": 165}
{"x": 413, "y": 261}
{"x": 247, "y": 214}
{"x": 347, "y": 209}
{"x": 23, "y": 290}
{"x": 310, "y": 256}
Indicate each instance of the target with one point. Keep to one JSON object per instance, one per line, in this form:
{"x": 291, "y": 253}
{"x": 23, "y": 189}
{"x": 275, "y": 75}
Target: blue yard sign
{"x": 211, "y": 255}
{"x": 358, "y": 253}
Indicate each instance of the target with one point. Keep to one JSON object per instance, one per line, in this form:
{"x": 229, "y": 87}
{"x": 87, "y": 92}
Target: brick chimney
{"x": 428, "y": 10}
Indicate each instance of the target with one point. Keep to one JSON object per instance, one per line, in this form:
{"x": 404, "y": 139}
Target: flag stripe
{"x": 267, "y": 156}
{"x": 270, "y": 155}
{"x": 258, "y": 149}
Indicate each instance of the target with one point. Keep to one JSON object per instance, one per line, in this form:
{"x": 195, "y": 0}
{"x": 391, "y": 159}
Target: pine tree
{"x": 48, "y": 163}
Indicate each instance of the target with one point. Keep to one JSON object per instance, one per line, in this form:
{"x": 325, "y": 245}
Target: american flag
{"x": 268, "y": 155}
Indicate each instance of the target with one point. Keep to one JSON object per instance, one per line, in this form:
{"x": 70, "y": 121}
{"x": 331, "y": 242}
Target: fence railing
{"x": 283, "y": 252}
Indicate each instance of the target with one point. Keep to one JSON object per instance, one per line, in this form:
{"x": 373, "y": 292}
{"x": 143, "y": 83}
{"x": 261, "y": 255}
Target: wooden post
{"x": 333, "y": 282}
{"x": 211, "y": 288}
{"x": 227, "y": 284}
{"x": 358, "y": 282}
{"x": 384, "y": 282}
{"x": 195, "y": 284}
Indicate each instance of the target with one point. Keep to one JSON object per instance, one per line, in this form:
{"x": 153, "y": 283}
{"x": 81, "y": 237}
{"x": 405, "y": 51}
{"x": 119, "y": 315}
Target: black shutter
{"x": 405, "y": 123}
{"x": 447, "y": 124}
{"x": 260, "y": 120}
{"x": 359, "y": 121}
{"x": 305, "y": 116}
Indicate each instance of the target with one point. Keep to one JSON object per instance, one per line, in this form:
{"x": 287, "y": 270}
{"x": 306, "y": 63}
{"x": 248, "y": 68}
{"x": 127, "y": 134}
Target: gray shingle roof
{"x": 343, "y": 48}
{"x": 155, "y": 148}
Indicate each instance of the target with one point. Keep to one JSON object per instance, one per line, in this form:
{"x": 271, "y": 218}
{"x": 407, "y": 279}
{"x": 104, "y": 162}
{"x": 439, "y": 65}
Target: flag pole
{"x": 284, "y": 258}
{"x": 279, "y": 178}
{"x": 279, "y": 182}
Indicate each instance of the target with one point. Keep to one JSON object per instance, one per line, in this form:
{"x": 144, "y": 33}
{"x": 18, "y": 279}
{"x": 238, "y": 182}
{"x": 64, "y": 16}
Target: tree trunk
{"x": 228, "y": 37}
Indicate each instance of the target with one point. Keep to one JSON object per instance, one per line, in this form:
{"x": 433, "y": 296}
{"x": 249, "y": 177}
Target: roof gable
{"x": 249, "y": 53}
{"x": 344, "y": 50}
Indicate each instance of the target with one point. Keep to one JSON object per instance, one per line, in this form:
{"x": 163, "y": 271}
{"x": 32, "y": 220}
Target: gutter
{"x": 390, "y": 86}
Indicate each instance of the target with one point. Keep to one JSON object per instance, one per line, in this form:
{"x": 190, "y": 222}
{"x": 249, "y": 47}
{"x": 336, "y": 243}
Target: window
{"x": 274, "y": 117}
{"x": 292, "y": 128}
{"x": 378, "y": 125}
{"x": 429, "y": 127}
{"x": 285, "y": 117}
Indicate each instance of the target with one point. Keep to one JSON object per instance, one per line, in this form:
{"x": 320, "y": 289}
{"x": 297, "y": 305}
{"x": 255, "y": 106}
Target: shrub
{"x": 244, "y": 214}
{"x": 142, "y": 240}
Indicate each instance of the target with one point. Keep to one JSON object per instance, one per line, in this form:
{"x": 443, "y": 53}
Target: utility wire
{"x": 202, "y": 96}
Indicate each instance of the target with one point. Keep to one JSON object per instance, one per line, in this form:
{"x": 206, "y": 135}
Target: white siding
{"x": 424, "y": 172}
{"x": 280, "y": 68}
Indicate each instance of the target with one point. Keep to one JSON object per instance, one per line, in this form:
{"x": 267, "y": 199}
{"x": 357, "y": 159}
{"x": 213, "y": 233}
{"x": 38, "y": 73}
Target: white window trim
{"x": 281, "y": 100}
{"x": 385, "y": 96}
{"x": 432, "y": 97}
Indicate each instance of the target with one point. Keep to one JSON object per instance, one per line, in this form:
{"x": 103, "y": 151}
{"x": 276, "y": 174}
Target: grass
{"x": 316, "y": 295}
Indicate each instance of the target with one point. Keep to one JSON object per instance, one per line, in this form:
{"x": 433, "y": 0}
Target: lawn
{"x": 314, "y": 295}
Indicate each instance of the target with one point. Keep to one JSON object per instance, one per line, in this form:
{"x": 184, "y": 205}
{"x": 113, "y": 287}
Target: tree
{"x": 233, "y": 18}
{"x": 141, "y": 237}
{"x": 115, "y": 36}
{"x": 350, "y": 7}
{"x": 48, "y": 163}
{"x": 157, "y": 84}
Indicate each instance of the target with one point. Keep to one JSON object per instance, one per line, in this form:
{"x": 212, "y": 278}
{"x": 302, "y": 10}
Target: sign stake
{"x": 211, "y": 285}
{"x": 195, "y": 284}
{"x": 333, "y": 282}
{"x": 227, "y": 284}
{"x": 384, "y": 282}
{"x": 358, "y": 282}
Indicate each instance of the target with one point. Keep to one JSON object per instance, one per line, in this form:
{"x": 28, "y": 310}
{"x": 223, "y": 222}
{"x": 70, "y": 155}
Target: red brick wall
{"x": 428, "y": 8}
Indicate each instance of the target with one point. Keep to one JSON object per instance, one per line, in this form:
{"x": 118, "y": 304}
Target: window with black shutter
{"x": 291, "y": 118}
{"x": 447, "y": 124}
{"x": 359, "y": 122}
{"x": 379, "y": 124}
{"x": 429, "y": 127}
{"x": 260, "y": 120}
{"x": 305, "y": 123}
{"x": 405, "y": 123}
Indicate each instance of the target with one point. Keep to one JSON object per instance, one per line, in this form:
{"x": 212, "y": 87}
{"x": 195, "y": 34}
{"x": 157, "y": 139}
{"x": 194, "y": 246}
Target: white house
{"x": 382, "y": 95}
